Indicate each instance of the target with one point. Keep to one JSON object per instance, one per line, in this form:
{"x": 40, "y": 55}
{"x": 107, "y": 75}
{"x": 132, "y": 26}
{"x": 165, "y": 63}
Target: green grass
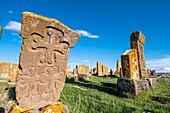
{"x": 101, "y": 96}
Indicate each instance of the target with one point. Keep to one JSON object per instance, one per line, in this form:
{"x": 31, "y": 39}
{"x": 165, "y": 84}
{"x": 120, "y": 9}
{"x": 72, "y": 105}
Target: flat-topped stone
{"x": 43, "y": 60}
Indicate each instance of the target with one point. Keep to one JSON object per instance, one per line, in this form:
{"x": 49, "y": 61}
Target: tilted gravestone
{"x": 43, "y": 60}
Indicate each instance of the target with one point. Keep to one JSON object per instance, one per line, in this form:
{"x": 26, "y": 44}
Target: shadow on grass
{"x": 162, "y": 100}
{"x": 109, "y": 88}
{"x": 2, "y": 110}
{"x": 11, "y": 93}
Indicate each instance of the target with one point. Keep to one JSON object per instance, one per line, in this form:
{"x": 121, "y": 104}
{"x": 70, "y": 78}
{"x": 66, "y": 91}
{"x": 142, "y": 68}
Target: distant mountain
{"x": 163, "y": 73}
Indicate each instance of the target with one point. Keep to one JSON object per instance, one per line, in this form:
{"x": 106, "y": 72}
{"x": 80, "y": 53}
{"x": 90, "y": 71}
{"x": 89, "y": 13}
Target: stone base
{"x": 56, "y": 107}
{"x": 83, "y": 77}
{"x": 135, "y": 86}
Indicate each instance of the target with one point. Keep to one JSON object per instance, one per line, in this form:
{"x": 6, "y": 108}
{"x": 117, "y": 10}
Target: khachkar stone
{"x": 4, "y": 69}
{"x": 129, "y": 61}
{"x": 105, "y": 70}
{"x": 43, "y": 60}
{"x": 82, "y": 69}
{"x": 75, "y": 71}
{"x": 68, "y": 72}
{"x": 137, "y": 41}
{"x": 117, "y": 73}
{"x": 0, "y": 32}
{"x": 13, "y": 72}
{"x": 99, "y": 69}
{"x": 111, "y": 71}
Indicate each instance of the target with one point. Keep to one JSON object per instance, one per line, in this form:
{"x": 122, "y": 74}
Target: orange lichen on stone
{"x": 4, "y": 69}
{"x": 57, "y": 107}
{"x": 99, "y": 69}
{"x": 130, "y": 67}
{"x": 0, "y": 31}
{"x": 137, "y": 41}
{"x": 82, "y": 69}
{"x": 13, "y": 72}
{"x": 17, "y": 109}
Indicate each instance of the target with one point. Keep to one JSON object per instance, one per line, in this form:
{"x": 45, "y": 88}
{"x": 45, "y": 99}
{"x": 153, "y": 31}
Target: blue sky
{"x": 105, "y": 27}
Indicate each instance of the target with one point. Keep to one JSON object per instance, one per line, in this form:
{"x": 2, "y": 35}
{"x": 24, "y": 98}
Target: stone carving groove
{"x": 43, "y": 60}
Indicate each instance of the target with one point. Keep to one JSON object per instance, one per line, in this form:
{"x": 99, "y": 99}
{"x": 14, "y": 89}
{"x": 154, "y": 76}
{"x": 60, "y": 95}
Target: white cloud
{"x": 15, "y": 34}
{"x": 73, "y": 63}
{"x": 86, "y": 61}
{"x": 10, "y": 12}
{"x": 17, "y": 40}
{"x": 161, "y": 65}
{"x": 87, "y": 34}
{"x": 13, "y": 26}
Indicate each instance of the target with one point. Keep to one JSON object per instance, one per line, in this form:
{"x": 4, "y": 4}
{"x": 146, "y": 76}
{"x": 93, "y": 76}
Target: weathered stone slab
{"x": 111, "y": 71}
{"x": 105, "y": 70}
{"x": 4, "y": 69}
{"x": 135, "y": 86}
{"x": 117, "y": 72}
{"x": 137, "y": 41}
{"x": 43, "y": 60}
{"x": 83, "y": 77}
{"x": 75, "y": 71}
{"x": 99, "y": 69}
{"x": 13, "y": 72}
{"x": 0, "y": 32}
{"x": 94, "y": 71}
{"x": 68, "y": 72}
{"x": 153, "y": 73}
{"x": 129, "y": 60}
{"x": 82, "y": 69}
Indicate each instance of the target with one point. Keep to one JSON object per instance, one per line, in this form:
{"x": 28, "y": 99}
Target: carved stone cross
{"x": 43, "y": 60}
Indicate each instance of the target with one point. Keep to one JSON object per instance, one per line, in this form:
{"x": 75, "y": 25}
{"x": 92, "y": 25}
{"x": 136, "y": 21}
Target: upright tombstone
{"x": 0, "y": 32}
{"x": 4, "y": 69}
{"x": 43, "y": 60}
{"x": 75, "y": 71}
{"x": 94, "y": 71}
{"x": 105, "y": 70}
{"x": 82, "y": 69}
{"x": 137, "y": 41}
{"x": 13, "y": 72}
{"x": 111, "y": 71}
{"x": 129, "y": 61}
{"x": 68, "y": 72}
{"x": 99, "y": 69}
{"x": 118, "y": 66}
{"x": 117, "y": 72}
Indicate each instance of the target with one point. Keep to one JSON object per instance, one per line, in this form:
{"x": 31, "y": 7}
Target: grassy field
{"x": 99, "y": 95}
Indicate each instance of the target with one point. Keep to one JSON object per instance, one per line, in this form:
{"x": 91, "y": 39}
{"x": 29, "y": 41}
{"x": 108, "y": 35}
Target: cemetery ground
{"x": 99, "y": 95}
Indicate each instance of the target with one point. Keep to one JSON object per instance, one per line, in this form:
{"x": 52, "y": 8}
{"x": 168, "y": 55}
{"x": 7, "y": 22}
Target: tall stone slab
{"x": 94, "y": 71}
{"x": 129, "y": 60}
{"x": 137, "y": 41}
{"x": 68, "y": 72}
{"x": 75, "y": 71}
{"x": 105, "y": 70}
{"x": 82, "y": 69}
{"x": 0, "y": 32}
{"x": 99, "y": 69}
{"x": 13, "y": 72}
{"x": 117, "y": 72}
{"x": 43, "y": 60}
{"x": 118, "y": 66}
{"x": 111, "y": 71}
{"x": 4, "y": 69}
